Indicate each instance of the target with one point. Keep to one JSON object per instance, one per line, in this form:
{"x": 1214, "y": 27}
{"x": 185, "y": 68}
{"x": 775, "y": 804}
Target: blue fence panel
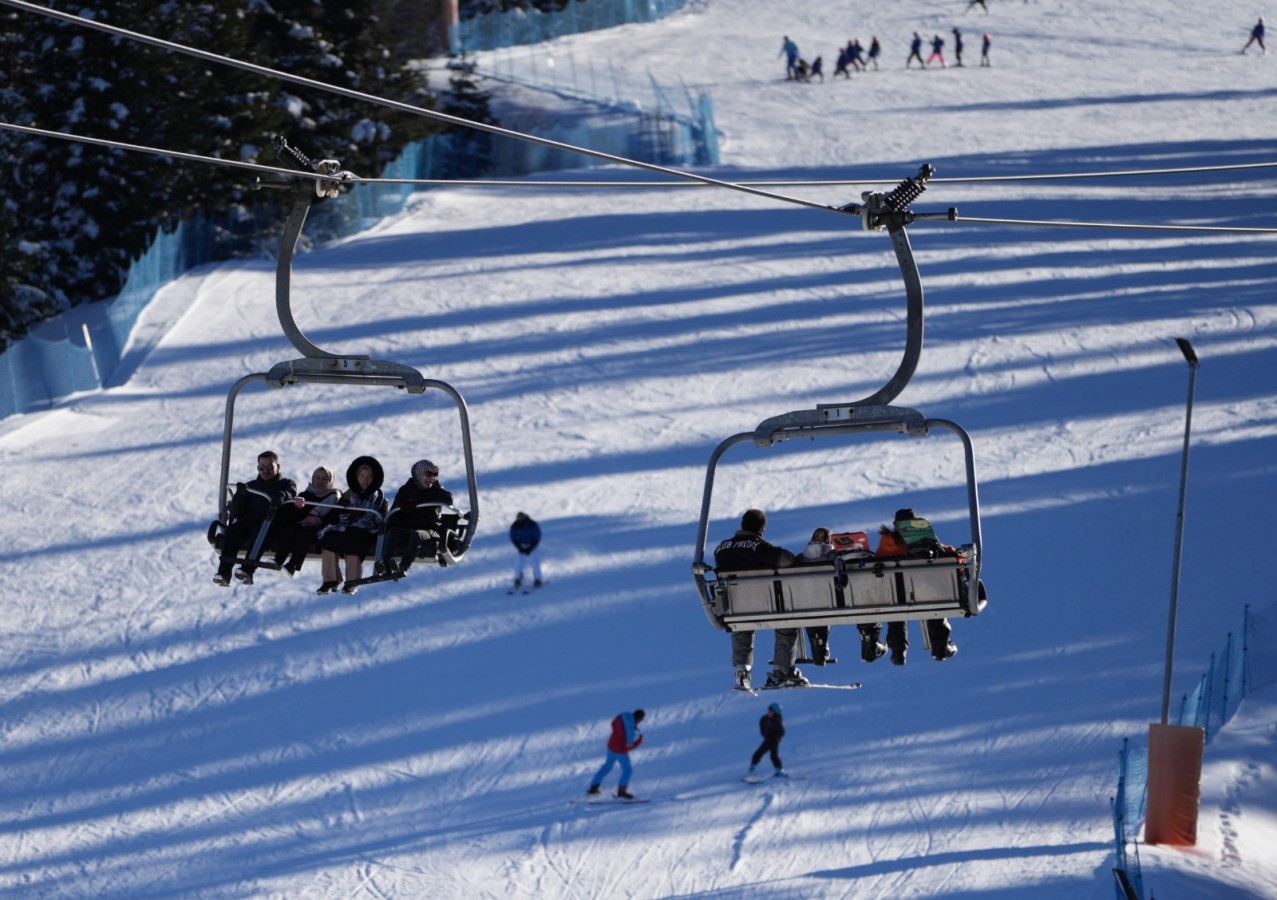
{"x": 518, "y": 27}
{"x": 1216, "y": 698}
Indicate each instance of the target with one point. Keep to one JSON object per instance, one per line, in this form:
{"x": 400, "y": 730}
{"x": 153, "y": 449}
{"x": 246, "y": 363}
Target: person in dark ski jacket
{"x": 525, "y": 534}
{"x": 354, "y": 534}
{"x": 302, "y": 519}
{"x": 937, "y": 51}
{"x": 1256, "y": 37}
{"x": 772, "y": 727}
{"x": 915, "y": 51}
{"x": 747, "y": 550}
{"x": 415, "y": 517}
{"x": 252, "y": 504}
{"x": 624, "y": 738}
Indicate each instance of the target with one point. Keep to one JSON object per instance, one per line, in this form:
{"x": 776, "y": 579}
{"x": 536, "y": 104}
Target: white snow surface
{"x": 164, "y": 737}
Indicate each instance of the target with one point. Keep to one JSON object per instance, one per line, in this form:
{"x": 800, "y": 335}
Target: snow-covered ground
{"x": 162, "y": 737}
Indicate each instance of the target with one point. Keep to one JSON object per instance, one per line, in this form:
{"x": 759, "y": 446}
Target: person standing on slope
{"x": 937, "y": 52}
{"x": 1256, "y": 37}
{"x": 525, "y": 534}
{"x": 772, "y": 727}
{"x": 915, "y": 52}
{"x": 625, "y": 737}
{"x": 789, "y": 50}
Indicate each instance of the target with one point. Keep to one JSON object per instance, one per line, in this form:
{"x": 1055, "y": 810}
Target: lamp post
{"x": 1190, "y": 356}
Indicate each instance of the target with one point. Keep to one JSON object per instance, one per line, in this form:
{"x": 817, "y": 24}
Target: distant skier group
{"x": 855, "y": 57}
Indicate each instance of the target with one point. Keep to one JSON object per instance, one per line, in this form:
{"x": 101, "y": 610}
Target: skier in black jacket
{"x": 251, "y": 505}
{"x": 747, "y": 550}
{"x": 772, "y": 728}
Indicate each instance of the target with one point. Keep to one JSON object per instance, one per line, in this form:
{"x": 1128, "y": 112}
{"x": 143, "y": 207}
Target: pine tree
{"x": 73, "y": 216}
{"x": 472, "y": 150}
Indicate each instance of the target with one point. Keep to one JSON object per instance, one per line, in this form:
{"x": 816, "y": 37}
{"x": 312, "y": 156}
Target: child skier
{"x": 772, "y": 728}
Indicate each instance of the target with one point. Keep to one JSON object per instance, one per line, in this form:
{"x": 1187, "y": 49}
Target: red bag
{"x": 850, "y": 541}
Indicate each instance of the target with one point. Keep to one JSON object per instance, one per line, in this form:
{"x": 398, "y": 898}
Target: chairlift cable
{"x": 822, "y": 182}
{"x": 348, "y": 178}
{"x": 1040, "y": 223}
{"x": 342, "y": 178}
{"x": 404, "y": 107}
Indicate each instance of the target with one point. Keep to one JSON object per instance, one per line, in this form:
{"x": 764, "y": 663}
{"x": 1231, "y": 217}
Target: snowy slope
{"x": 165, "y": 737}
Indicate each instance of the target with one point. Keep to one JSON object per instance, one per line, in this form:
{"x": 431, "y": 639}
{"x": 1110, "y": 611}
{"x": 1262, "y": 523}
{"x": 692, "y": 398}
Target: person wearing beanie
{"x": 625, "y": 737}
{"x": 411, "y": 523}
{"x": 772, "y": 727}
{"x": 525, "y": 534}
{"x": 913, "y": 536}
{"x": 747, "y": 550}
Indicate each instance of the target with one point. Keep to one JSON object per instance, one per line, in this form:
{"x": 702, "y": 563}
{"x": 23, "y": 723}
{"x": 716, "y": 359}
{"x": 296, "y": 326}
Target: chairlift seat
{"x": 851, "y": 590}
{"x": 444, "y": 549}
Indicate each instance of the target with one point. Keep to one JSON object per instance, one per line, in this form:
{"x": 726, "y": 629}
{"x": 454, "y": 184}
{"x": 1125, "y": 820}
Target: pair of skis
{"x": 754, "y": 692}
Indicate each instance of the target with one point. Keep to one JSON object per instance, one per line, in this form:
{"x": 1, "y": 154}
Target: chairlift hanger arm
{"x": 302, "y": 199}
{"x": 891, "y": 211}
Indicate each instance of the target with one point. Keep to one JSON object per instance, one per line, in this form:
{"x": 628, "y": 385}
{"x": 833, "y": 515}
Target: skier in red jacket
{"x": 625, "y": 737}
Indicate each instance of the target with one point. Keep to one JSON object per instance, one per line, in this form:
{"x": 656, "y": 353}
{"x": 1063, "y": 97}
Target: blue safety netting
{"x": 1244, "y": 664}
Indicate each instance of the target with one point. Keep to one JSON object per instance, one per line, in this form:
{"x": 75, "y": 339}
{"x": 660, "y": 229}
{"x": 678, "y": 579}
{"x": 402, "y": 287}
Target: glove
{"x": 277, "y": 501}
{"x": 240, "y": 487}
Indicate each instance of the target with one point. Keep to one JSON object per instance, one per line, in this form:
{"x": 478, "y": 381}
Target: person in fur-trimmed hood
{"x": 354, "y": 534}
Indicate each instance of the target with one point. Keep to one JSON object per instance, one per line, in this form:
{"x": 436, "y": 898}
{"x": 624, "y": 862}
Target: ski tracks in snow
{"x": 739, "y": 839}
{"x": 1231, "y": 810}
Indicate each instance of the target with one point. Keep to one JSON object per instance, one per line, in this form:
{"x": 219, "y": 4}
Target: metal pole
{"x": 1190, "y": 356}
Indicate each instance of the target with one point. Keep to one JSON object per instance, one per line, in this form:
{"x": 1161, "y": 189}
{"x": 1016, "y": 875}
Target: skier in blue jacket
{"x": 625, "y": 737}
{"x": 525, "y": 534}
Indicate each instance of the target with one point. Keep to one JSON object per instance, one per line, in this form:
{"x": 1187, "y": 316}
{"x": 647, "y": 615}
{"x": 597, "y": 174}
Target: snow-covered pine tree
{"x": 78, "y": 214}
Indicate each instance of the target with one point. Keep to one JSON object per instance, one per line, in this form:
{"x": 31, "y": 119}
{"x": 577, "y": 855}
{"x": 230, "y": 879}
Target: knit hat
{"x": 421, "y": 467}
{"x": 906, "y": 513}
{"x": 639, "y": 715}
{"x": 775, "y": 707}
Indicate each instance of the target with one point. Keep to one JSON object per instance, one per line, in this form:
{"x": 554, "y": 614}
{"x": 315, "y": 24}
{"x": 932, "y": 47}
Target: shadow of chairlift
{"x": 853, "y": 588}
{"x": 317, "y": 366}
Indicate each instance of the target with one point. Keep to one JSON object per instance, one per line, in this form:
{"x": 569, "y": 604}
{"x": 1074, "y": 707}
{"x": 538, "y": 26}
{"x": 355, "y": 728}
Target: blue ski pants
{"x": 612, "y": 759}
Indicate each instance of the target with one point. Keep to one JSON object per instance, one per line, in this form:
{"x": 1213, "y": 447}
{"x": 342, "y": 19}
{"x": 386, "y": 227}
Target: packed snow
{"x": 163, "y": 736}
